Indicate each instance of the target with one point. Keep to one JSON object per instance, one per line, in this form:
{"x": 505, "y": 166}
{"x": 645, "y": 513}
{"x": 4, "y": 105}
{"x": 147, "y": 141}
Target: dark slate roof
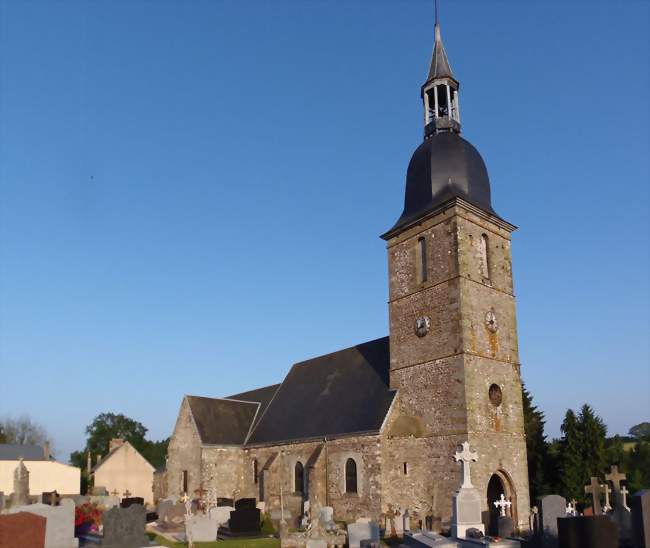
{"x": 443, "y": 167}
{"x": 262, "y": 396}
{"x": 222, "y": 421}
{"x": 440, "y": 67}
{"x": 10, "y": 451}
{"x": 345, "y": 392}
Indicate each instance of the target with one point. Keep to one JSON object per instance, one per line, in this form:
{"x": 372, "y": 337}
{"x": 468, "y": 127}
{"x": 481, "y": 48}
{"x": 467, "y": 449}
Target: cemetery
{"x": 419, "y": 439}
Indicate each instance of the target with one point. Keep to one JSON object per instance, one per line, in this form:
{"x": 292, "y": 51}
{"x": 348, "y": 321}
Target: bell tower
{"x": 453, "y": 334}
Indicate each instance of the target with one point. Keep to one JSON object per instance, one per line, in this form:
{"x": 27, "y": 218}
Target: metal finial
{"x": 436, "y": 10}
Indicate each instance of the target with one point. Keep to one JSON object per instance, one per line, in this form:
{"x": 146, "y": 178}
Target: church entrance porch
{"x": 498, "y": 485}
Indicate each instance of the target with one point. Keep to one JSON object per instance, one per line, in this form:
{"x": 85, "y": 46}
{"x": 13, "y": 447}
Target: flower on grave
{"x": 87, "y": 513}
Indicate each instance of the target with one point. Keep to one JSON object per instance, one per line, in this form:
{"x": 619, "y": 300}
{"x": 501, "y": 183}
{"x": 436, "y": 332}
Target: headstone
{"x": 20, "y": 496}
{"x": 59, "y": 529}
{"x": 22, "y": 530}
{"x": 593, "y": 489}
{"x": 506, "y": 526}
{"x": 245, "y": 520}
{"x": 406, "y": 521}
{"x": 362, "y": 531}
{"x": 124, "y": 527}
{"x": 221, "y": 501}
{"x": 551, "y": 507}
{"x": 163, "y": 506}
{"x": 129, "y": 501}
{"x": 220, "y": 515}
{"x": 174, "y": 517}
{"x": 245, "y": 503}
{"x": 587, "y": 532}
{"x": 201, "y": 529}
{"x": 640, "y": 506}
{"x": 51, "y": 498}
{"x": 99, "y": 491}
{"x": 466, "y": 506}
{"x": 326, "y": 518}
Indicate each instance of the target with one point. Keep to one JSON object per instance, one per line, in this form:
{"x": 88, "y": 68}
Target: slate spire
{"x": 440, "y": 91}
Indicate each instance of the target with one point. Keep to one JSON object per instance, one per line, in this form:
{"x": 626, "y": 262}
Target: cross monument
{"x": 502, "y": 504}
{"x": 615, "y": 477}
{"x": 624, "y": 493}
{"x": 466, "y": 456}
{"x": 593, "y": 489}
{"x": 607, "y": 491}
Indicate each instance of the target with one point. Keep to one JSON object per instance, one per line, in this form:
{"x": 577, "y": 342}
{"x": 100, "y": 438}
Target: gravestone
{"x": 640, "y": 506}
{"x": 466, "y": 506}
{"x": 163, "y": 506}
{"x": 587, "y": 532}
{"x": 362, "y": 531}
{"x": 220, "y": 515}
{"x": 245, "y": 519}
{"x": 221, "y": 501}
{"x": 326, "y": 518}
{"x": 174, "y": 517}
{"x": 124, "y": 527}
{"x": 22, "y": 530}
{"x": 506, "y": 526}
{"x": 129, "y": 501}
{"x": 200, "y": 528}
{"x": 20, "y": 496}
{"x": 550, "y": 508}
{"x": 406, "y": 521}
{"x": 245, "y": 503}
{"x": 59, "y": 529}
{"x": 594, "y": 489}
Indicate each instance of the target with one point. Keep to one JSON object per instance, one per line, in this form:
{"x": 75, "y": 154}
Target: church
{"x": 377, "y": 424}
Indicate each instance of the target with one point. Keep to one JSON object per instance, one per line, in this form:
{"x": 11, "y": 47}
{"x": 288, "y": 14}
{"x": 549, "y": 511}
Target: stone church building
{"x": 378, "y": 423}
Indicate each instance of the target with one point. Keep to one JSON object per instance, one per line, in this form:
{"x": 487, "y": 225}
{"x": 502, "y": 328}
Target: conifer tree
{"x": 593, "y": 433}
{"x": 572, "y": 468}
{"x": 536, "y": 446}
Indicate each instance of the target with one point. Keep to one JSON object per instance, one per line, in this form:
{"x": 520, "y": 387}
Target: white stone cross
{"x": 502, "y": 504}
{"x": 466, "y": 456}
{"x": 607, "y": 491}
{"x": 624, "y": 493}
{"x": 570, "y": 510}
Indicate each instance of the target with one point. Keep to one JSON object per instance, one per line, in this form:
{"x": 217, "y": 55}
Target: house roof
{"x": 222, "y": 421}
{"x": 11, "y": 451}
{"x": 345, "y": 392}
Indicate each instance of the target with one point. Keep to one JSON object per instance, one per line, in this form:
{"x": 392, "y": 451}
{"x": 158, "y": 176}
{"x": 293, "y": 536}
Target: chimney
{"x": 115, "y": 443}
{"x": 99, "y": 459}
{"x": 46, "y": 450}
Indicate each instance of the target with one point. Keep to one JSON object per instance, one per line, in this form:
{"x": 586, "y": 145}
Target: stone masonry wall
{"x": 222, "y": 471}
{"x": 184, "y": 453}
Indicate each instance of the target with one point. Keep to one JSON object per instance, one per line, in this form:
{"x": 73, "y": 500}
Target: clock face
{"x": 422, "y": 325}
{"x": 491, "y": 321}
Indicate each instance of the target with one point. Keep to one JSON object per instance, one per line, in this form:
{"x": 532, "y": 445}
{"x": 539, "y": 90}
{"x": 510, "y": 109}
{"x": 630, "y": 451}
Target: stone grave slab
{"x": 124, "y": 527}
{"x": 200, "y": 528}
{"x": 129, "y": 501}
{"x": 429, "y": 539}
{"x": 22, "y": 530}
{"x": 640, "y": 507}
{"x": 550, "y": 507}
{"x": 587, "y": 532}
{"x": 362, "y": 531}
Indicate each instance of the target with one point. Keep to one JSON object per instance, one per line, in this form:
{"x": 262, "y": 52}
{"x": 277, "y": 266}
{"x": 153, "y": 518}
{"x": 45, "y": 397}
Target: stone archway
{"x": 499, "y": 483}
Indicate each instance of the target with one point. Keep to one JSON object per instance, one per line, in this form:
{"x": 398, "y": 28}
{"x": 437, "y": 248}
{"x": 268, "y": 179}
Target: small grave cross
{"x": 624, "y": 493}
{"x": 200, "y": 492}
{"x": 593, "y": 489}
{"x": 126, "y": 493}
{"x": 502, "y": 504}
{"x": 615, "y": 477}
{"x": 115, "y": 492}
{"x": 466, "y": 456}
{"x": 570, "y": 509}
{"x": 607, "y": 491}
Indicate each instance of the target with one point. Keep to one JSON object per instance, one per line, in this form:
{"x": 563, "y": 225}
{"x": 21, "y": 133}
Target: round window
{"x": 496, "y": 397}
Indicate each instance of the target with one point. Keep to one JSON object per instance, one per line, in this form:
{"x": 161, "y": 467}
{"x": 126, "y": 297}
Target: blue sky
{"x": 191, "y": 193}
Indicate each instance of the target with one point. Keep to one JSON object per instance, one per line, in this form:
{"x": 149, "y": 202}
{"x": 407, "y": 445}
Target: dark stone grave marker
{"x": 245, "y": 518}
{"x": 640, "y": 506}
{"x": 124, "y": 527}
{"x": 587, "y": 532}
{"x": 222, "y": 501}
{"x": 550, "y": 507}
{"x": 129, "y": 501}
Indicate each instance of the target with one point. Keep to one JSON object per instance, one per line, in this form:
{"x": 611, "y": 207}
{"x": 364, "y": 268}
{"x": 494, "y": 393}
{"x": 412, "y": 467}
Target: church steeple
{"x": 440, "y": 91}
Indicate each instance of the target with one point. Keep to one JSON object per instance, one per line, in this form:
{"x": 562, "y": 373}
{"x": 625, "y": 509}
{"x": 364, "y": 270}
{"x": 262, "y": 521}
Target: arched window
{"x": 350, "y": 476}
{"x": 484, "y": 254}
{"x": 298, "y": 478}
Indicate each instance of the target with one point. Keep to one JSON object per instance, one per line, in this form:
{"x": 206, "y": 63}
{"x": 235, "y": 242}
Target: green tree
{"x": 640, "y": 431}
{"x": 156, "y": 452}
{"x": 536, "y": 446}
{"x": 572, "y": 468}
{"x": 593, "y": 434}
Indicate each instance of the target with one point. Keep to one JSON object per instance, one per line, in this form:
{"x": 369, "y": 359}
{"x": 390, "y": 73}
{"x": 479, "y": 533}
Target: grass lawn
{"x": 235, "y": 543}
